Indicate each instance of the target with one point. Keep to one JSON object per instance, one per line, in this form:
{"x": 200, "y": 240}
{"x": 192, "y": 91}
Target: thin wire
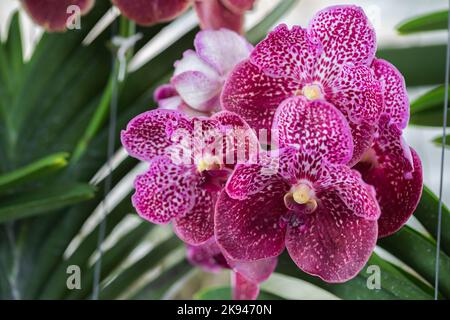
{"x": 108, "y": 179}
{"x": 441, "y": 183}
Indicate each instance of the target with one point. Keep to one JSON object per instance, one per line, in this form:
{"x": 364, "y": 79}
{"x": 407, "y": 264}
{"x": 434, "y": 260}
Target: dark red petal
{"x": 255, "y": 96}
{"x": 197, "y": 226}
{"x": 52, "y": 14}
{"x": 165, "y": 191}
{"x": 148, "y": 12}
{"x": 332, "y": 242}
{"x": 250, "y": 229}
{"x": 395, "y": 170}
{"x": 317, "y": 127}
{"x": 207, "y": 256}
{"x": 213, "y": 14}
{"x": 396, "y": 102}
{"x": 239, "y": 6}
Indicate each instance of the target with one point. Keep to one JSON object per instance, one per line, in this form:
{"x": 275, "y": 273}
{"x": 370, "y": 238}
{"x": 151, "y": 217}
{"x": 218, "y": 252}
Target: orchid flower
{"x": 53, "y": 14}
{"x": 305, "y": 198}
{"x": 329, "y": 60}
{"x": 199, "y": 77}
{"x": 190, "y": 160}
{"x": 246, "y": 275}
{"x": 213, "y": 14}
{"x": 390, "y": 165}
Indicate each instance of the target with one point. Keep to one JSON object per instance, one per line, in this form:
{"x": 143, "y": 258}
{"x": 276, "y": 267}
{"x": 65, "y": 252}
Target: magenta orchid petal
{"x": 332, "y": 243}
{"x": 358, "y": 94}
{"x": 222, "y": 49}
{"x": 347, "y": 37}
{"x": 147, "y": 135}
{"x": 239, "y": 6}
{"x": 254, "y": 95}
{"x": 167, "y": 97}
{"x": 207, "y": 256}
{"x": 242, "y": 288}
{"x": 247, "y": 180}
{"x": 316, "y": 126}
{"x": 256, "y": 271}
{"x": 213, "y": 14}
{"x": 53, "y": 15}
{"x": 395, "y": 170}
{"x": 287, "y": 53}
{"x": 197, "y": 225}
{"x": 149, "y": 12}
{"x": 240, "y": 142}
{"x": 396, "y": 102}
{"x": 363, "y": 136}
{"x": 165, "y": 191}
{"x": 250, "y": 229}
{"x": 347, "y": 184}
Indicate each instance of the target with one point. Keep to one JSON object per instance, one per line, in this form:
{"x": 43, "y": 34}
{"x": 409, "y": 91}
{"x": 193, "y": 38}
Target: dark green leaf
{"x": 422, "y": 259}
{"x": 427, "y": 22}
{"x": 394, "y": 285}
{"x": 440, "y": 139}
{"x": 427, "y": 213}
{"x": 44, "y": 201}
{"x": 427, "y": 110}
{"x": 36, "y": 169}
{"x": 419, "y": 65}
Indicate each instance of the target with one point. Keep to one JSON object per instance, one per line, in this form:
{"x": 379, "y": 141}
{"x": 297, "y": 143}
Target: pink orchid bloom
{"x": 189, "y": 164}
{"x": 52, "y": 14}
{"x": 199, "y": 77}
{"x": 390, "y": 165}
{"x": 329, "y": 60}
{"x": 246, "y": 275}
{"x": 305, "y": 199}
{"x": 213, "y": 14}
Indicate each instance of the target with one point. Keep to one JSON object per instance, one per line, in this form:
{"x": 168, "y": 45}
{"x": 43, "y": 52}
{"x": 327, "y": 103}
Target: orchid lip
{"x": 208, "y": 163}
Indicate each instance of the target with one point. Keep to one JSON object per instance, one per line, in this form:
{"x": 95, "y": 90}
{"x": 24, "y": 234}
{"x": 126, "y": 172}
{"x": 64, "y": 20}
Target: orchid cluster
{"x": 293, "y": 144}
{"x": 53, "y": 15}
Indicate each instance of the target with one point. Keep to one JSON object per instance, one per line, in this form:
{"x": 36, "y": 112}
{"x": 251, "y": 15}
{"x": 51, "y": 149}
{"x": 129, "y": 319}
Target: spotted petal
{"x": 255, "y": 96}
{"x": 287, "y": 53}
{"x": 223, "y": 49}
{"x": 395, "y": 170}
{"x": 250, "y": 229}
{"x": 165, "y": 191}
{"x": 148, "y": 135}
{"x": 54, "y": 15}
{"x": 197, "y": 226}
{"x": 316, "y": 126}
{"x": 357, "y": 94}
{"x": 332, "y": 242}
{"x": 348, "y": 185}
{"x": 396, "y": 103}
{"x": 347, "y": 37}
{"x": 148, "y": 12}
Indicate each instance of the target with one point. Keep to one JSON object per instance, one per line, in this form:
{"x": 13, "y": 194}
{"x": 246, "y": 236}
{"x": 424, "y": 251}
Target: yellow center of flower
{"x": 301, "y": 193}
{"x": 312, "y": 92}
{"x": 208, "y": 163}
